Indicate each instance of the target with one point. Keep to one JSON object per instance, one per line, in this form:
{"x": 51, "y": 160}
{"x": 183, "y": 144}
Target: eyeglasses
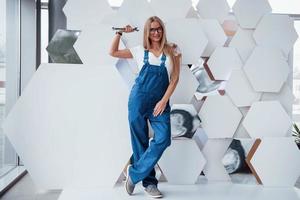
{"x": 153, "y": 30}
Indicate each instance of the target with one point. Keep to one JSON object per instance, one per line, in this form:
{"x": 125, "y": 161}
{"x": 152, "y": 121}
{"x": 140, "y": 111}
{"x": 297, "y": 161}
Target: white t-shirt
{"x": 138, "y": 55}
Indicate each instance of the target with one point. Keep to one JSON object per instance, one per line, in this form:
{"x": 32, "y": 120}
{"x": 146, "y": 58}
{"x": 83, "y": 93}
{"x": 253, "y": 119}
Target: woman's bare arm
{"x": 174, "y": 78}
{"x": 115, "y": 51}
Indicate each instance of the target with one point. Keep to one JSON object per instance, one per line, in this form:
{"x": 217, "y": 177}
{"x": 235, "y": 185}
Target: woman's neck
{"x": 155, "y": 46}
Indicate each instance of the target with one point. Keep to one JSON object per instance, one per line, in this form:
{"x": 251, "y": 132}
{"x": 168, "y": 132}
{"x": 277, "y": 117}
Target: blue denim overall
{"x": 149, "y": 88}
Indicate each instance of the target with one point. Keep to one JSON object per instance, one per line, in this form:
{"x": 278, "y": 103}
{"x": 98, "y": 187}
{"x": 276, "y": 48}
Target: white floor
{"x": 175, "y": 192}
{"x": 26, "y": 190}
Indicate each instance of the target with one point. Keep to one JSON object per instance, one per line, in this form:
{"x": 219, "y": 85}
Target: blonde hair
{"x": 164, "y": 45}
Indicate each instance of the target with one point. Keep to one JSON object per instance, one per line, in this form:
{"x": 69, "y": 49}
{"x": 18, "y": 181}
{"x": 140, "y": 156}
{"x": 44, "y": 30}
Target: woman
{"x": 149, "y": 100}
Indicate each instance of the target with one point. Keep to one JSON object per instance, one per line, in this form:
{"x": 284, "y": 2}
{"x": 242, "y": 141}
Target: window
{"x": 296, "y": 76}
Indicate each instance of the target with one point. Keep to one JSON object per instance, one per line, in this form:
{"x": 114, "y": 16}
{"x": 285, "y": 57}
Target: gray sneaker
{"x": 129, "y": 186}
{"x": 153, "y": 191}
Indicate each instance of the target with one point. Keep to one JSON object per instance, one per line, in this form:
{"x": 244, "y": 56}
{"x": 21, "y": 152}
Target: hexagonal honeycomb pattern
{"x": 186, "y": 87}
{"x": 214, "y": 151}
{"x": 276, "y": 31}
{"x": 249, "y": 13}
{"x": 267, "y": 119}
{"x": 198, "y": 33}
{"x": 171, "y": 162}
{"x": 70, "y": 137}
{"x": 162, "y": 9}
{"x": 213, "y": 9}
{"x": 262, "y": 61}
{"x": 221, "y": 111}
{"x": 284, "y": 156}
{"x": 215, "y": 35}
{"x": 77, "y": 16}
{"x": 240, "y": 90}
{"x": 244, "y": 43}
{"x": 222, "y": 61}
{"x": 182, "y": 32}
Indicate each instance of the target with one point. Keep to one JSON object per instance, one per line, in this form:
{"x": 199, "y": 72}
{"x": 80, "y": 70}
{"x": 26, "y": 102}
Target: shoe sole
{"x": 155, "y": 197}
{"x": 126, "y": 181}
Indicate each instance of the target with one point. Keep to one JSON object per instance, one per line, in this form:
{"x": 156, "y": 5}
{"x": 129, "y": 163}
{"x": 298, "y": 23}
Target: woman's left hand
{"x": 159, "y": 108}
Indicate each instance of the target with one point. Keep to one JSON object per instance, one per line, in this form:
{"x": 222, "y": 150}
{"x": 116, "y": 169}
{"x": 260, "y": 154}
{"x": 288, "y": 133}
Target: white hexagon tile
{"x": 267, "y": 119}
{"x": 220, "y": 117}
{"x": 72, "y": 142}
{"x": 214, "y": 151}
{"x": 240, "y": 90}
{"x": 175, "y": 165}
{"x": 192, "y": 13}
{"x": 186, "y": 87}
{"x": 129, "y": 11}
{"x": 124, "y": 67}
{"x": 95, "y": 51}
{"x": 215, "y": 35}
{"x": 81, "y": 14}
{"x": 283, "y": 154}
{"x": 241, "y": 132}
{"x": 179, "y": 10}
{"x": 276, "y": 31}
{"x": 284, "y": 96}
{"x": 222, "y": 61}
{"x": 182, "y": 32}
{"x": 213, "y": 9}
{"x": 244, "y": 42}
{"x": 266, "y": 69}
{"x": 249, "y": 13}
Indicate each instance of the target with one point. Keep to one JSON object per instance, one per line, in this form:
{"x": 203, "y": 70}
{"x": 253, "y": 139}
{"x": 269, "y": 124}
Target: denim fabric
{"x": 150, "y": 86}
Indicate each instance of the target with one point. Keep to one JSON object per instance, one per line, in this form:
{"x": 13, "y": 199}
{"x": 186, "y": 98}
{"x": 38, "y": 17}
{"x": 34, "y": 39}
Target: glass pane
{"x": 44, "y": 35}
{"x": 287, "y": 6}
{"x": 296, "y": 73}
{"x": 7, "y": 154}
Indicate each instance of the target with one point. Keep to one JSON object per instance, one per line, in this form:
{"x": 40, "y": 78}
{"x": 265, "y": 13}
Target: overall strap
{"x": 163, "y": 60}
{"x": 146, "y": 56}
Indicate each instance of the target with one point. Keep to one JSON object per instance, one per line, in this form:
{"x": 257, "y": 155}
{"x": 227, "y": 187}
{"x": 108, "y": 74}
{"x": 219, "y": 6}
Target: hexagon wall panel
{"x": 179, "y": 10}
{"x": 182, "y": 32}
{"x": 244, "y": 43}
{"x": 267, "y": 119}
{"x": 222, "y": 61}
{"x": 241, "y": 132}
{"x": 175, "y": 165}
{"x": 129, "y": 11}
{"x": 239, "y": 89}
{"x": 124, "y": 68}
{"x": 77, "y": 16}
{"x": 249, "y": 13}
{"x": 96, "y": 53}
{"x": 261, "y": 64}
{"x": 285, "y": 161}
{"x": 186, "y": 87}
{"x": 214, "y": 150}
{"x": 65, "y": 120}
{"x": 215, "y": 35}
{"x": 285, "y": 97}
{"x": 128, "y": 39}
{"x": 276, "y": 31}
{"x": 213, "y": 9}
{"x": 219, "y": 116}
